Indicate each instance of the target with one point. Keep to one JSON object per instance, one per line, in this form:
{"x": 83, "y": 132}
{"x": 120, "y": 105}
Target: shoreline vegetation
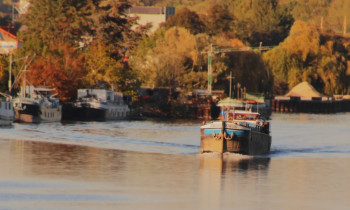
{"x": 95, "y": 44}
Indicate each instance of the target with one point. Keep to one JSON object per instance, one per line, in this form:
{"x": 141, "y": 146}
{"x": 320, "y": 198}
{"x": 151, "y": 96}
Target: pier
{"x": 313, "y": 105}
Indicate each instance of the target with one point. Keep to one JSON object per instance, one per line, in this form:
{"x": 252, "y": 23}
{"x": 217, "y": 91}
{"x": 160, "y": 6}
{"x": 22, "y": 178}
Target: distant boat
{"x": 37, "y": 105}
{"x": 241, "y": 132}
{"x": 96, "y": 105}
{"x": 7, "y": 115}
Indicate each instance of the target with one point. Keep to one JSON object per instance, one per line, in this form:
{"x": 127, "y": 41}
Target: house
{"x": 153, "y": 15}
{"x": 8, "y": 42}
{"x": 14, "y": 8}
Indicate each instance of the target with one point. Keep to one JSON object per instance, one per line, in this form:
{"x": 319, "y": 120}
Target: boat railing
{"x": 7, "y": 96}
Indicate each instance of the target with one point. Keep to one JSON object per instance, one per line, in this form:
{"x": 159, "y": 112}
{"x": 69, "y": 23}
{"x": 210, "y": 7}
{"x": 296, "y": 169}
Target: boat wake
{"x": 105, "y": 135}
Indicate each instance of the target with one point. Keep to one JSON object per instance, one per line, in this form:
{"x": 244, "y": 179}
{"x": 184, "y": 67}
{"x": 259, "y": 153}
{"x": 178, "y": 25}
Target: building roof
{"x": 8, "y": 42}
{"x": 146, "y": 10}
{"x": 7, "y": 36}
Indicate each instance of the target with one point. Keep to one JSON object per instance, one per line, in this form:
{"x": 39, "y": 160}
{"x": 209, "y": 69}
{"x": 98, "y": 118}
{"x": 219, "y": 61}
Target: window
{"x": 239, "y": 117}
{"x": 251, "y": 117}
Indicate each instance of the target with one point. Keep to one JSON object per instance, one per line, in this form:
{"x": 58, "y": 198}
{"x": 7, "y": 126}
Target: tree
{"x": 56, "y": 21}
{"x": 112, "y": 25}
{"x": 260, "y": 20}
{"x": 310, "y": 10}
{"x": 219, "y": 20}
{"x": 187, "y": 19}
{"x": 4, "y": 75}
{"x": 293, "y": 56}
{"x": 61, "y": 68}
{"x": 308, "y": 56}
{"x": 5, "y": 20}
{"x": 338, "y": 10}
{"x": 100, "y": 67}
{"x": 247, "y": 68}
{"x": 169, "y": 60}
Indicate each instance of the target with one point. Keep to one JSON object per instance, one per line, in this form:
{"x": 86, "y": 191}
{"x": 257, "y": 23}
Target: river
{"x": 156, "y": 165}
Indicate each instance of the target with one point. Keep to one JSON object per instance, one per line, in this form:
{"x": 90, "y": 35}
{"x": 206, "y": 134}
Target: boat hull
{"x": 71, "y": 112}
{"x": 5, "y": 122}
{"x": 33, "y": 113}
{"x": 6, "y": 113}
{"x": 234, "y": 138}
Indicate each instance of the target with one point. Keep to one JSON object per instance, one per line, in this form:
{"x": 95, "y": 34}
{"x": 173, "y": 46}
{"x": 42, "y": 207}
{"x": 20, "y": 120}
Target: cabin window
{"x": 239, "y": 117}
{"x": 251, "y": 117}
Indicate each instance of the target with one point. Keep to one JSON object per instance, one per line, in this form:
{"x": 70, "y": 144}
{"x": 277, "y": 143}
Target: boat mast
{"x": 10, "y": 74}
{"x": 23, "y": 89}
{"x": 23, "y": 71}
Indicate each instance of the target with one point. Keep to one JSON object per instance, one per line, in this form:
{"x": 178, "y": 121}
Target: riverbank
{"x": 175, "y": 110}
{"x": 313, "y": 105}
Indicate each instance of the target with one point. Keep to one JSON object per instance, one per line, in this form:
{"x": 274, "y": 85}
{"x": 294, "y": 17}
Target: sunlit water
{"x": 156, "y": 165}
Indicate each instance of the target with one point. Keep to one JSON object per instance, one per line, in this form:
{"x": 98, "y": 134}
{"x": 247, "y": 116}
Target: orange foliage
{"x": 61, "y": 68}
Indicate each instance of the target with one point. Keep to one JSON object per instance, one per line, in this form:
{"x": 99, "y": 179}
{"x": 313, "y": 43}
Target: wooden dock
{"x": 314, "y": 105}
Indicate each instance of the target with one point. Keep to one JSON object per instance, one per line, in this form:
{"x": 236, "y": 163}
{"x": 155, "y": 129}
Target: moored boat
{"x": 241, "y": 132}
{"x": 96, "y": 105}
{"x": 37, "y": 105}
{"x": 6, "y": 110}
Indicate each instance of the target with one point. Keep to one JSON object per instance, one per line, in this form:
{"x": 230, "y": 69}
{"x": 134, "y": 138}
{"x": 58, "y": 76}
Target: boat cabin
{"x": 244, "y": 116}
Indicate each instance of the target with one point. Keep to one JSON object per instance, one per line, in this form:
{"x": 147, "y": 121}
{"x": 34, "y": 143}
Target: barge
{"x": 240, "y": 132}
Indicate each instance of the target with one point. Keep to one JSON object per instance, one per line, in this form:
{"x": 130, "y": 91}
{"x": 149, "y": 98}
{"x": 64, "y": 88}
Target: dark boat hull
{"x": 83, "y": 113}
{"x": 86, "y": 113}
{"x": 34, "y": 113}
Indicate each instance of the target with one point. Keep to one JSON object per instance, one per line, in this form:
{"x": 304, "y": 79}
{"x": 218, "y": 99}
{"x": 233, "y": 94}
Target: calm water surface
{"x": 156, "y": 165}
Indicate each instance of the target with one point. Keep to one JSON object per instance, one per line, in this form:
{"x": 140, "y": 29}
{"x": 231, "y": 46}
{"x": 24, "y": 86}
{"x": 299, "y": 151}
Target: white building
{"x": 153, "y": 15}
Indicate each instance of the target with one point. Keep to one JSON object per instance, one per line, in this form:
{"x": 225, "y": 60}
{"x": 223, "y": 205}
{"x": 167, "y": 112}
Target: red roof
{"x": 10, "y": 35}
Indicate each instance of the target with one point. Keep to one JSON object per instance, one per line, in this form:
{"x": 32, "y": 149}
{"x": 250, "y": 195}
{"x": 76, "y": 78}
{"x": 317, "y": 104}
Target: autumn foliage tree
{"x": 306, "y": 55}
{"x": 79, "y": 44}
{"x": 187, "y": 19}
{"x": 100, "y": 66}
{"x": 4, "y": 75}
{"x": 218, "y": 20}
{"x": 61, "y": 68}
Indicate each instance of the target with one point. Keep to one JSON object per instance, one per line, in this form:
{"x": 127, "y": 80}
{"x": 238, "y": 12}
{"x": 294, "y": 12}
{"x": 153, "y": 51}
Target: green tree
{"x": 172, "y": 60}
{"x": 112, "y": 25}
{"x": 53, "y": 21}
{"x": 260, "y": 20}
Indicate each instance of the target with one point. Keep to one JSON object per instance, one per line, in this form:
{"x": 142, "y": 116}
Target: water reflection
{"x": 218, "y": 176}
{"x": 57, "y": 160}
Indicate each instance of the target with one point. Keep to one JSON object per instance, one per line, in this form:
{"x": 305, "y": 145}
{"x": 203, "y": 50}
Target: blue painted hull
{"x": 229, "y": 137}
